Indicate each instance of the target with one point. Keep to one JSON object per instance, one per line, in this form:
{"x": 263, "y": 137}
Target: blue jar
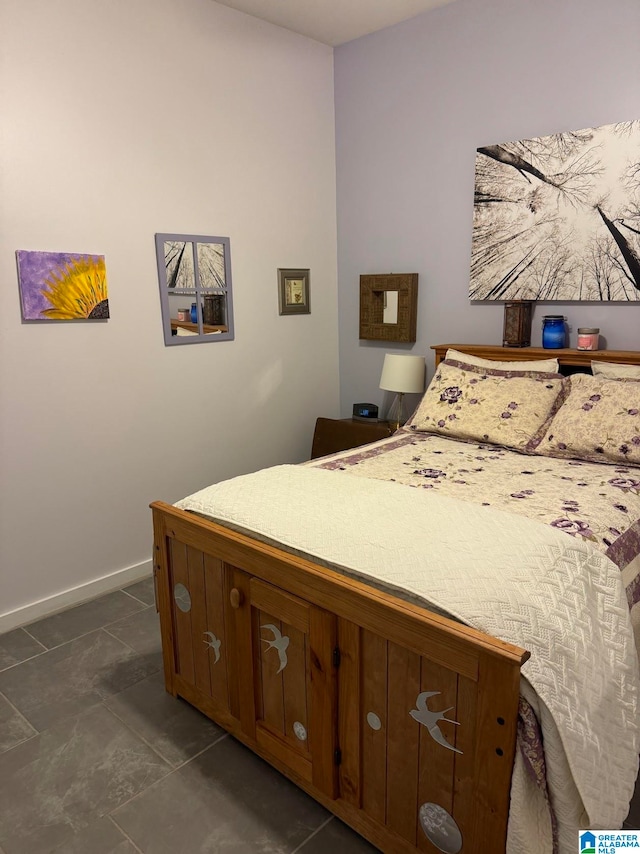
{"x": 194, "y": 312}
{"x": 553, "y": 331}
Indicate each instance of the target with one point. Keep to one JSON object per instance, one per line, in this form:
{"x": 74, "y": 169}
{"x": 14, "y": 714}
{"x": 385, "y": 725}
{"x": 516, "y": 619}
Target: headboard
{"x": 570, "y": 360}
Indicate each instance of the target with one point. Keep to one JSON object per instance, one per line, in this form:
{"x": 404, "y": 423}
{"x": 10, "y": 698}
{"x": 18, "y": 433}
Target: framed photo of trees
{"x": 558, "y": 217}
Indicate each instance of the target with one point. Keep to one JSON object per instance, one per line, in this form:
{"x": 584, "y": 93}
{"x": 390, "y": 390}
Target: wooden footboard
{"x": 399, "y": 721}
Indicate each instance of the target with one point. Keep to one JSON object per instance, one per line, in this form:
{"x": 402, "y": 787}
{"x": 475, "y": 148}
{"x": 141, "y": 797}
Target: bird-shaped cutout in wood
{"x": 213, "y": 643}
{"x": 279, "y": 642}
{"x": 430, "y": 719}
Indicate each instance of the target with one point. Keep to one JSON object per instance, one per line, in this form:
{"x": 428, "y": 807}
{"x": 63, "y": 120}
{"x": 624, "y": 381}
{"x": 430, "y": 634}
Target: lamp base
{"x": 395, "y": 416}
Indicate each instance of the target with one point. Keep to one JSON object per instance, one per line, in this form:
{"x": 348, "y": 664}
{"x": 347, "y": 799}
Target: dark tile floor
{"x": 96, "y": 758}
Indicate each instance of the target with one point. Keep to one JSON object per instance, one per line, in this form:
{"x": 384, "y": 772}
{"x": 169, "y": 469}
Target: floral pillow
{"x": 599, "y": 421}
{"x": 486, "y": 405}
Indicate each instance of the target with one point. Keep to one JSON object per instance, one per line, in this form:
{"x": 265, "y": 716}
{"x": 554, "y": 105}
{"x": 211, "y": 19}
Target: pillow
{"x": 485, "y": 405}
{"x": 548, "y": 365}
{"x": 614, "y": 371}
{"x": 599, "y": 421}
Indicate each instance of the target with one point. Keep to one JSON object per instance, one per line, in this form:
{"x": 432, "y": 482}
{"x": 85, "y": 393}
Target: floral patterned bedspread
{"x": 595, "y": 501}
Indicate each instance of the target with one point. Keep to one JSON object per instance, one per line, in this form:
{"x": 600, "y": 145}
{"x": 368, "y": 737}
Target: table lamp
{"x": 402, "y": 374}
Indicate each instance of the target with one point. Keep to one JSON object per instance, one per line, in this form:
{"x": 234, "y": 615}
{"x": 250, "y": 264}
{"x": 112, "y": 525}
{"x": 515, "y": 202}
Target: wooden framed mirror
{"x": 389, "y": 307}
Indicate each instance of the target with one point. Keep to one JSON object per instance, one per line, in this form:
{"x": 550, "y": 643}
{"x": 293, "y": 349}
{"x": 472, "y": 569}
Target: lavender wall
{"x": 413, "y": 102}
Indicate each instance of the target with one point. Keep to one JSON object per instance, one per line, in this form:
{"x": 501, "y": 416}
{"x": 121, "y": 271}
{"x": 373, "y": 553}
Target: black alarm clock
{"x": 365, "y": 411}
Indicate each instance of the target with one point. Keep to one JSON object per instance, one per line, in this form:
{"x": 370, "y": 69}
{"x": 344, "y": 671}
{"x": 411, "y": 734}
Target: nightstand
{"x": 339, "y": 434}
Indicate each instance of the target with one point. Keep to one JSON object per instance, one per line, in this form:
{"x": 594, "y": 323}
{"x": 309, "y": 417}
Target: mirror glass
{"x": 195, "y": 288}
{"x": 390, "y": 310}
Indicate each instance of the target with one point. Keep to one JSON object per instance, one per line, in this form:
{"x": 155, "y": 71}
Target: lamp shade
{"x": 402, "y": 373}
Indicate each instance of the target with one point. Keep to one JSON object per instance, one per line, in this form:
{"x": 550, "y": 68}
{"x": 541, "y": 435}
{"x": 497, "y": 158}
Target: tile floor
{"x": 96, "y": 758}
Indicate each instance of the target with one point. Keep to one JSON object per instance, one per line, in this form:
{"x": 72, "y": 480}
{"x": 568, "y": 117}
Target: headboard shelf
{"x": 565, "y": 356}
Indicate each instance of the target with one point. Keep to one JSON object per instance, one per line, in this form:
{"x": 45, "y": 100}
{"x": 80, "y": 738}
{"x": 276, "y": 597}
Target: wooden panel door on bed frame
{"x": 394, "y": 718}
{"x": 225, "y": 624}
{"x": 287, "y": 683}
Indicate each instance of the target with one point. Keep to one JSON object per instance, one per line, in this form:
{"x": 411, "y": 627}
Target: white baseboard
{"x": 74, "y": 596}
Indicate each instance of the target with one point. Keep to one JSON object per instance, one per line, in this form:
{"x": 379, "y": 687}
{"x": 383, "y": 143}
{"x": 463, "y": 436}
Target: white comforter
{"x": 512, "y": 577}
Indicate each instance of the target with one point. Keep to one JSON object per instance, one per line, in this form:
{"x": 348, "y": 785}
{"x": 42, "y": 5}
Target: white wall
{"x": 413, "y": 102}
{"x": 120, "y": 120}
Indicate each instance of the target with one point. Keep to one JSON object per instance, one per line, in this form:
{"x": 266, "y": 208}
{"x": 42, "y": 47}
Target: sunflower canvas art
{"x": 62, "y": 286}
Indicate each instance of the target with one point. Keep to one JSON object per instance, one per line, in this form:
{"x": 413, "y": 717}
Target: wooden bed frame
{"x": 336, "y": 720}
{"x": 567, "y": 358}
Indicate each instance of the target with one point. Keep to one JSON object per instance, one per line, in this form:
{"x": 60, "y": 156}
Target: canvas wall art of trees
{"x": 558, "y": 217}
{"x": 62, "y": 286}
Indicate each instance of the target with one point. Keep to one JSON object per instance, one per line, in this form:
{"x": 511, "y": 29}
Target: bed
{"x": 432, "y": 635}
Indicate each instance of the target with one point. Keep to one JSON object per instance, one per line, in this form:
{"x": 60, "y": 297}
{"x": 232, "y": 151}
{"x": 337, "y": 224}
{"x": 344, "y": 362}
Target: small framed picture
{"x": 293, "y": 291}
